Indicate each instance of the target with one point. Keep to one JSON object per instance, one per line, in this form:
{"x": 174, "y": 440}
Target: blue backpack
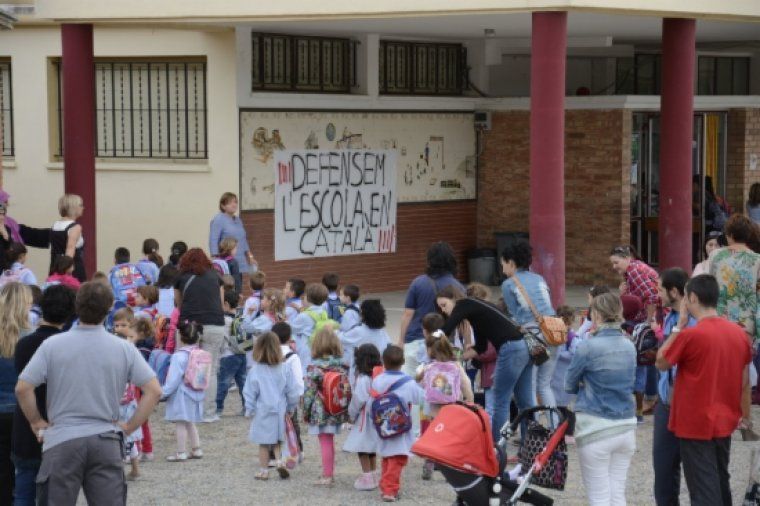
{"x": 125, "y": 279}
{"x": 390, "y": 414}
{"x": 335, "y": 309}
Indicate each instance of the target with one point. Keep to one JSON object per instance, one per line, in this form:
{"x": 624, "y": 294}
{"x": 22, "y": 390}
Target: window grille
{"x": 300, "y": 63}
{"x": 147, "y": 109}
{"x": 6, "y": 107}
{"x": 414, "y": 68}
{"x": 723, "y": 75}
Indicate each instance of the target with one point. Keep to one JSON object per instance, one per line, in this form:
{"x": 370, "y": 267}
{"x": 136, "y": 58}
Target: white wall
{"x": 135, "y": 199}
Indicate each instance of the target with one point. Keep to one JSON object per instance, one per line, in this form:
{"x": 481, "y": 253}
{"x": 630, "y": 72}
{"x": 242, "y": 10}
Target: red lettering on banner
{"x": 284, "y": 172}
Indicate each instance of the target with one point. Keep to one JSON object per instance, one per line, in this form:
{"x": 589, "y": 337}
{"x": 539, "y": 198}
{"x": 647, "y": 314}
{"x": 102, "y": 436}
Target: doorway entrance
{"x": 708, "y": 173}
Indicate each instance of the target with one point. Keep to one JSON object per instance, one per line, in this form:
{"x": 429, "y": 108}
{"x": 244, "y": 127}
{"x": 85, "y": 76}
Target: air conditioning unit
{"x": 482, "y": 120}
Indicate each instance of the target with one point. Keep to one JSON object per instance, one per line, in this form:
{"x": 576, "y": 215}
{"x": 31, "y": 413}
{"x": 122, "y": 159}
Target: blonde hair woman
{"x": 66, "y": 234}
{"x": 602, "y": 373}
{"x": 15, "y": 303}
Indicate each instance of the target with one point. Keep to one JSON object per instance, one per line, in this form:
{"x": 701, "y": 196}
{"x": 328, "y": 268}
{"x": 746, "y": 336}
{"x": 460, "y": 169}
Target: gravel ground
{"x": 225, "y": 475}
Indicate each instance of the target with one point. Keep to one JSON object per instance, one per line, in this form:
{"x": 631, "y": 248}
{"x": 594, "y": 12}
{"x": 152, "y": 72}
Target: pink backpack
{"x": 198, "y": 371}
{"x": 442, "y": 383}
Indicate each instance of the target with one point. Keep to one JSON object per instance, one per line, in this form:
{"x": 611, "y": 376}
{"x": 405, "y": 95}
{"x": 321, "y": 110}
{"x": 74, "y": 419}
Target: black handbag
{"x": 554, "y": 474}
{"x": 536, "y": 346}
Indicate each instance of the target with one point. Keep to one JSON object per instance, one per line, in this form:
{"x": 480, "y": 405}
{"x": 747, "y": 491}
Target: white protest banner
{"x": 339, "y": 202}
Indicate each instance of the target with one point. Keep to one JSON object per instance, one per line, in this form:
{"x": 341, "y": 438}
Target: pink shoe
{"x": 365, "y": 482}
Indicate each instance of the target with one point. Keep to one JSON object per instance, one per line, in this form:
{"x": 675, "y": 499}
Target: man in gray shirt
{"x": 86, "y": 371}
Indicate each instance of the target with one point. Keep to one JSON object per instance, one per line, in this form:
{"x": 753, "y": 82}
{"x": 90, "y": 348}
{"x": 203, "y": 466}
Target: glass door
{"x": 708, "y": 176}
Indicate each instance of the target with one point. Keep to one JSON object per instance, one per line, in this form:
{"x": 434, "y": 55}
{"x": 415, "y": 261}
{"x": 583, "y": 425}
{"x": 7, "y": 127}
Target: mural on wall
{"x": 435, "y": 152}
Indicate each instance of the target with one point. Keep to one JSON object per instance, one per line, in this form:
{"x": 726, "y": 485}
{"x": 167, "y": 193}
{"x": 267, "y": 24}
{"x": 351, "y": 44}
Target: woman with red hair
{"x": 199, "y": 295}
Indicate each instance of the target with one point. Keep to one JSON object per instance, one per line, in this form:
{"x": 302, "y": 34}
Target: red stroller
{"x": 459, "y": 441}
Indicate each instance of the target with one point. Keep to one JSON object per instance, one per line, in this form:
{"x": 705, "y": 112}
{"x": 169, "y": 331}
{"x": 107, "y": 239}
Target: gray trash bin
{"x": 482, "y": 266}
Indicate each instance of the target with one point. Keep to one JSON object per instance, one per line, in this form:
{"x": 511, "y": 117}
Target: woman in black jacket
{"x": 514, "y": 370}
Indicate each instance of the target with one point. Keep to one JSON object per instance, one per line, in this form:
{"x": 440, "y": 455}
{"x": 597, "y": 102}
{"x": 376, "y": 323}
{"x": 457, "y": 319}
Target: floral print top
{"x": 738, "y": 273}
{"x": 313, "y": 408}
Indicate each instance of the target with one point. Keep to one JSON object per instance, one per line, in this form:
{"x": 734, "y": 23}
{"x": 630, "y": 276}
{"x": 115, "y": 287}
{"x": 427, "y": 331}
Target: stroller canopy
{"x": 460, "y": 437}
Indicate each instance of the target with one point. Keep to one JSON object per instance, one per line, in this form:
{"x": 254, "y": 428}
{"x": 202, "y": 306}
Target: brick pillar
{"x": 547, "y": 145}
{"x": 79, "y": 128}
{"x": 678, "y": 57}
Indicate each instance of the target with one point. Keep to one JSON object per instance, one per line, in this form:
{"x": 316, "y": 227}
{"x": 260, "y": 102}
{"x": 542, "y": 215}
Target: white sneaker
{"x": 211, "y": 418}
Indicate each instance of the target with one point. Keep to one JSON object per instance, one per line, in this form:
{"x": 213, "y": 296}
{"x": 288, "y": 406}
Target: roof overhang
{"x": 237, "y": 11}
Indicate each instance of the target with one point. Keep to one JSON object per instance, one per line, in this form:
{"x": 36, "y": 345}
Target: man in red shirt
{"x": 713, "y": 376}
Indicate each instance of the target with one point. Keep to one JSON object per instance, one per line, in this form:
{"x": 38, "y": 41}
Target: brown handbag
{"x": 552, "y": 327}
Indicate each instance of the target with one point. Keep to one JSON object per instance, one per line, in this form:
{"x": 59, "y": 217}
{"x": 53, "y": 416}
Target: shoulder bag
{"x": 531, "y": 334}
{"x": 552, "y": 327}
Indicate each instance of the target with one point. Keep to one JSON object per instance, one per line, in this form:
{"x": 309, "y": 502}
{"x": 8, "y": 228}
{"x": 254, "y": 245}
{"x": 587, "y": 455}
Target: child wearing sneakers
{"x": 184, "y": 406}
{"x": 395, "y": 450}
{"x": 293, "y": 363}
{"x": 363, "y": 439}
{"x": 232, "y": 365}
{"x": 270, "y": 395}
{"x": 327, "y": 357}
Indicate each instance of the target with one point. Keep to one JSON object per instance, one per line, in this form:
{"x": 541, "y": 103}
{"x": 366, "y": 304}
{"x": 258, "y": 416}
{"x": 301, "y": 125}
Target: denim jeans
{"x": 544, "y": 373}
{"x": 513, "y": 375}
{"x": 230, "y": 367}
{"x": 489, "y": 401}
{"x": 25, "y": 491}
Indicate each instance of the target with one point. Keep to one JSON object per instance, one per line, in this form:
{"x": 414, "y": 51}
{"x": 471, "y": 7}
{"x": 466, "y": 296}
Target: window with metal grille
{"x": 422, "y": 68}
{"x": 147, "y": 109}
{"x": 6, "y": 107}
{"x": 723, "y": 75}
{"x": 299, "y": 63}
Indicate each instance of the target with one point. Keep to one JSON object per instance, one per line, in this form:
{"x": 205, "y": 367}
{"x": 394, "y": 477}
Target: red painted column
{"x": 547, "y": 149}
{"x": 677, "y": 121}
{"x": 79, "y": 128}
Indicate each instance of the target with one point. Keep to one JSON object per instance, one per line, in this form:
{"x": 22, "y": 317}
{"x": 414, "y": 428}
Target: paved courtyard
{"x": 225, "y": 475}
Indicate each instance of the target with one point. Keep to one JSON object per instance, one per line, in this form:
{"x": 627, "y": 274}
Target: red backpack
{"x": 335, "y": 392}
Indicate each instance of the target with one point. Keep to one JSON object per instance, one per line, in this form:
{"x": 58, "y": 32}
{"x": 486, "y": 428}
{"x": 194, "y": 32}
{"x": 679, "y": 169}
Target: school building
{"x": 583, "y": 123}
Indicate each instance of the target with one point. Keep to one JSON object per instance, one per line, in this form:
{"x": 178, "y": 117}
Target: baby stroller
{"x": 459, "y": 441}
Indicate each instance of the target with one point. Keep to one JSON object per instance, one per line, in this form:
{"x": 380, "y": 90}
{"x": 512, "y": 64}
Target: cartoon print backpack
{"x": 221, "y": 266}
{"x": 335, "y": 392}
{"x": 391, "y": 415}
{"x": 198, "y": 371}
{"x": 646, "y": 343}
{"x": 321, "y": 320}
{"x": 442, "y": 383}
{"x": 125, "y": 279}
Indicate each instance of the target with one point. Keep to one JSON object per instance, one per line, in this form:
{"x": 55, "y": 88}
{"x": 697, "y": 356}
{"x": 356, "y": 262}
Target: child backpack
{"x": 125, "y": 279}
{"x": 321, "y": 320}
{"x": 335, "y": 392}
{"x": 335, "y": 309}
{"x": 442, "y": 383}
{"x": 239, "y": 340}
{"x": 221, "y": 266}
{"x": 646, "y": 343}
{"x": 198, "y": 371}
{"x": 159, "y": 361}
{"x": 391, "y": 415}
